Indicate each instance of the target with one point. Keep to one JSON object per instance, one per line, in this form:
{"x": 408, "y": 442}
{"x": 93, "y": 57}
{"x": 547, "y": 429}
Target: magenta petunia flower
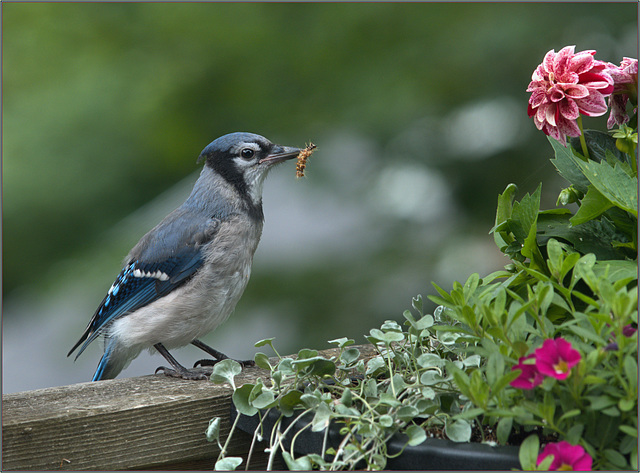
{"x": 530, "y": 376}
{"x": 564, "y": 86}
{"x": 625, "y": 78}
{"x": 566, "y": 457}
{"x": 556, "y": 358}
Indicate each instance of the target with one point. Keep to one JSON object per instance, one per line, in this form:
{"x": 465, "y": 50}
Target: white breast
{"x": 195, "y": 309}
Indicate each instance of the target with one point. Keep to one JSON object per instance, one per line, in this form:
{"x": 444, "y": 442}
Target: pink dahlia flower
{"x": 556, "y": 358}
{"x": 564, "y": 86}
{"x": 566, "y": 457}
{"x": 625, "y": 78}
{"x": 530, "y": 376}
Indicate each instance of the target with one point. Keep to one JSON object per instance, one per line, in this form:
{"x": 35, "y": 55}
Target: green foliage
{"x": 407, "y": 388}
{"x": 456, "y": 369}
{"x": 572, "y": 277}
{"x": 571, "y": 288}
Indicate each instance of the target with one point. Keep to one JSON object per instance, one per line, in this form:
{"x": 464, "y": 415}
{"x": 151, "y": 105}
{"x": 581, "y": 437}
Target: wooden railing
{"x": 147, "y": 423}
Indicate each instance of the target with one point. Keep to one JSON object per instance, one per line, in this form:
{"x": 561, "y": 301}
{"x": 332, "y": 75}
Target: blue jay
{"x": 186, "y": 275}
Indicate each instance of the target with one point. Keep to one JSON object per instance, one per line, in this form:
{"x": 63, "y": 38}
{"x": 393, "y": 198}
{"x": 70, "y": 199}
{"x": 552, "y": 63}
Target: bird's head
{"x": 244, "y": 159}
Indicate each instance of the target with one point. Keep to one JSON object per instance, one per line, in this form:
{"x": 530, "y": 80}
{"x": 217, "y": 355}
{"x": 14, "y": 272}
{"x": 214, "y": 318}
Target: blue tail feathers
{"x": 104, "y": 362}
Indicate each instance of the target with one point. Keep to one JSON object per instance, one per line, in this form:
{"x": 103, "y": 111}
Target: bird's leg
{"x": 178, "y": 370}
{"x": 219, "y": 356}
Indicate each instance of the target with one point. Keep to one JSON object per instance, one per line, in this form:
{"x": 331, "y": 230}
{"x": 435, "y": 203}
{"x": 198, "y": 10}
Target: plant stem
{"x": 583, "y": 142}
{"x": 223, "y": 450}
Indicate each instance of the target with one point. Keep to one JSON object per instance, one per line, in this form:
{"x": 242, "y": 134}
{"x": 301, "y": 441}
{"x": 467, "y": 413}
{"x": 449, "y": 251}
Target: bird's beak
{"x": 279, "y": 154}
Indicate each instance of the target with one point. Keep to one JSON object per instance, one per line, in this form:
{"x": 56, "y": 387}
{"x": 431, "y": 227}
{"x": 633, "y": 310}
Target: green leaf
{"x": 428, "y": 393}
{"x": 528, "y": 453}
{"x": 299, "y": 464}
{"x": 611, "y": 411}
{"x": 594, "y": 236}
{"x": 503, "y": 213}
{"x": 430, "y": 360}
{"x": 370, "y": 389}
{"x": 310, "y": 401}
{"x": 416, "y": 303}
{"x": 574, "y": 433}
{"x": 225, "y": 371}
{"x": 264, "y": 399}
{"x": 321, "y": 418}
{"x": 317, "y": 366}
{"x": 472, "y": 361}
{"x": 240, "y": 399}
{"x": 613, "y": 183}
{"x": 347, "y": 397}
{"x": 524, "y": 215}
{"x": 289, "y": 401}
{"x": 458, "y": 431}
{"x": 285, "y": 366}
{"x": 416, "y": 435}
{"x": 555, "y": 256}
{"x": 586, "y": 334}
{"x": 228, "y": 464}
{"x": 350, "y": 355}
{"x": 375, "y": 364}
{"x": 385, "y": 337}
{"x": 385, "y": 420}
{"x": 407, "y": 413}
{"x": 343, "y": 342}
{"x": 262, "y": 361}
{"x": 593, "y": 205}
{"x": 460, "y": 377}
{"x": 600, "y": 402}
{"x": 628, "y": 430}
{"x": 631, "y": 370}
{"x": 431, "y": 377}
{"x": 546, "y": 463}
{"x": 306, "y": 353}
{"x": 263, "y": 342}
{"x": 591, "y": 379}
{"x": 616, "y": 458}
{"x": 567, "y": 167}
{"x": 601, "y": 146}
{"x": 424, "y": 322}
{"x": 213, "y": 430}
{"x": 503, "y": 430}
{"x": 388, "y": 399}
{"x": 505, "y": 203}
{"x": 504, "y": 381}
{"x": 470, "y": 413}
{"x": 625, "y": 405}
{"x": 616, "y": 270}
{"x": 571, "y": 413}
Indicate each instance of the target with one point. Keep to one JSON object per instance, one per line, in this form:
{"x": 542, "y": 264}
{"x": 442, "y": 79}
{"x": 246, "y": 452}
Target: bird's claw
{"x": 194, "y": 375}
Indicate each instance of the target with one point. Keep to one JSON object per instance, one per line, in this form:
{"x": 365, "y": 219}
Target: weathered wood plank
{"x": 149, "y": 422}
{"x": 130, "y": 423}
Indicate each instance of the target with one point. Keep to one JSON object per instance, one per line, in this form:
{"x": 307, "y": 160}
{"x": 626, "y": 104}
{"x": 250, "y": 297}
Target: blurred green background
{"x": 418, "y": 111}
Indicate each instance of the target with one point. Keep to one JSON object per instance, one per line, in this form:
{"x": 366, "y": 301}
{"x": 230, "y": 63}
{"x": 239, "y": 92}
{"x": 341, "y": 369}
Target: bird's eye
{"x": 247, "y": 153}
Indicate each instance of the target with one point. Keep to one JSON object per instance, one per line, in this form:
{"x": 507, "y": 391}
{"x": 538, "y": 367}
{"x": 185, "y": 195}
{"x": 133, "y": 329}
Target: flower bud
{"x": 569, "y": 196}
{"x": 626, "y": 139}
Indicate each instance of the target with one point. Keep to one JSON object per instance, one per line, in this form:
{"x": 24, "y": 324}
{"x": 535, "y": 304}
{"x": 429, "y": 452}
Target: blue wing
{"x": 163, "y": 260}
{"x": 137, "y": 285}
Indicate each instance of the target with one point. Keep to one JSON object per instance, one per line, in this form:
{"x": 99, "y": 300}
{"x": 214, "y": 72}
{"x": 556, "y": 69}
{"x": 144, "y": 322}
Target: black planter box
{"x": 432, "y": 454}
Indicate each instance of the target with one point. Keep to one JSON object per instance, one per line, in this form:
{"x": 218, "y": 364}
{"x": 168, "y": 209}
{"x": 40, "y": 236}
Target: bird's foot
{"x": 208, "y": 362}
{"x": 184, "y": 373}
